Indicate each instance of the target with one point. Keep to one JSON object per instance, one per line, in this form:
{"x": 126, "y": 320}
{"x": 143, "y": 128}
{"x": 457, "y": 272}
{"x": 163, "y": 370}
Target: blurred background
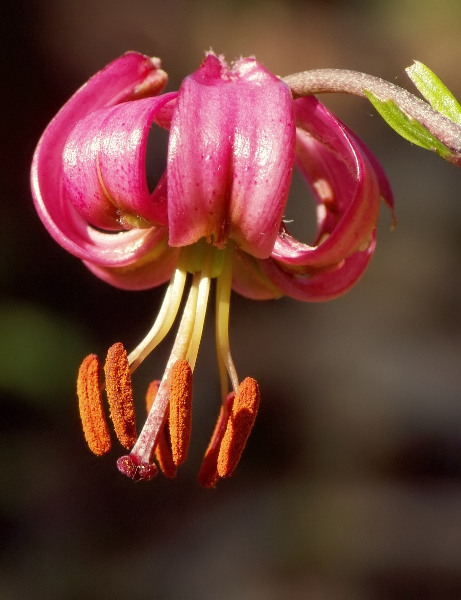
{"x": 350, "y": 486}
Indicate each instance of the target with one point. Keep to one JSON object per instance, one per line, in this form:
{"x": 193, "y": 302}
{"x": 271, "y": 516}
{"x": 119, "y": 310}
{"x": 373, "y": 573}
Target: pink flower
{"x": 216, "y": 213}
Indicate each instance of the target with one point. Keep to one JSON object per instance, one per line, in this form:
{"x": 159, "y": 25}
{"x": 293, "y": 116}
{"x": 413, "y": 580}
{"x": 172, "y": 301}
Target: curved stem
{"x": 319, "y": 81}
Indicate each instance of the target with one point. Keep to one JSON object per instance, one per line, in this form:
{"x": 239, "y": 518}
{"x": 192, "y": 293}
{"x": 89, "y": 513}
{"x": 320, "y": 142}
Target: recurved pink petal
{"x": 385, "y": 189}
{"x": 249, "y": 280}
{"x": 263, "y": 159}
{"x": 344, "y": 184}
{"x": 132, "y": 75}
{"x": 104, "y": 166}
{"x": 321, "y": 285}
{"x": 154, "y": 269}
{"x": 230, "y": 156}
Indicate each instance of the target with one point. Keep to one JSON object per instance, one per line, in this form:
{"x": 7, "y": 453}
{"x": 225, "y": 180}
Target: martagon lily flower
{"x": 235, "y": 135}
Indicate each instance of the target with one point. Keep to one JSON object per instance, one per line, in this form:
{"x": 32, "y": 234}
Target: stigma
{"x": 163, "y": 441}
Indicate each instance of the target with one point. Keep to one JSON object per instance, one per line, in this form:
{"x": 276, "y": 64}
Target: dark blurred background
{"x": 350, "y": 487}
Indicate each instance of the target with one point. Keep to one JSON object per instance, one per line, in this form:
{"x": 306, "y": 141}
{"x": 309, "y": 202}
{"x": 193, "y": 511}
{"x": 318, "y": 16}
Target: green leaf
{"x": 407, "y": 127}
{"x": 434, "y": 91}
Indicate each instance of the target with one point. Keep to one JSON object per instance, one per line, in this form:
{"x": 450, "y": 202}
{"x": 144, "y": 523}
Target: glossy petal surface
{"x": 344, "y": 185}
{"x": 104, "y": 166}
{"x": 323, "y": 285}
{"x": 235, "y": 136}
{"x": 230, "y": 156}
{"x": 130, "y": 76}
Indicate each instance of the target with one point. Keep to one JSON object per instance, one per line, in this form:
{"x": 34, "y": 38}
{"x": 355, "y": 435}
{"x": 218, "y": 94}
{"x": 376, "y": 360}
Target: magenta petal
{"x": 121, "y": 80}
{"x": 322, "y": 285}
{"x": 230, "y": 156}
{"x": 385, "y": 189}
{"x": 104, "y": 166}
{"x": 140, "y": 275}
{"x": 249, "y": 280}
{"x": 344, "y": 184}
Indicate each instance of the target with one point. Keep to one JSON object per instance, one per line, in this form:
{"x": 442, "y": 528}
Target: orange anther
{"x": 180, "y": 421}
{"x": 163, "y": 448}
{"x": 208, "y": 475}
{"x": 239, "y": 426}
{"x": 120, "y": 395}
{"x": 90, "y": 406}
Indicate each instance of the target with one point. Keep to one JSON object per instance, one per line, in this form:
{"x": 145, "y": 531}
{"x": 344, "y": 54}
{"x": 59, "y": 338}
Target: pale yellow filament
{"x": 223, "y": 292}
{"x": 164, "y": 320}
{"x": 202, "y": 301}
{"x": 148, "y": 437}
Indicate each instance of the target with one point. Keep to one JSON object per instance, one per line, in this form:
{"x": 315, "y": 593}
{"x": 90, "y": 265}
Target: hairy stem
{"x": 320, "y": 81}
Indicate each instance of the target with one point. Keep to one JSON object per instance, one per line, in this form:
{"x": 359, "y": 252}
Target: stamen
{"x": 163, "y": 449}
{"x": 90, "y": 406}
{"x": 208, "y": 475}
{"x": 175, "y": 389}
{"x": 239, "y": 426}
{"x": 143, "y": 450}
{"x": 223, "y": 292}
{"x": 165, "y": 317}
{"x": 180, "y": 421}
{"x": 120, "y": 394}
{"x": 203, "y": 293}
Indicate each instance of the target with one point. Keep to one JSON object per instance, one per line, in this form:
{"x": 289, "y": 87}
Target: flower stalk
{"x": 381, "y": 92}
